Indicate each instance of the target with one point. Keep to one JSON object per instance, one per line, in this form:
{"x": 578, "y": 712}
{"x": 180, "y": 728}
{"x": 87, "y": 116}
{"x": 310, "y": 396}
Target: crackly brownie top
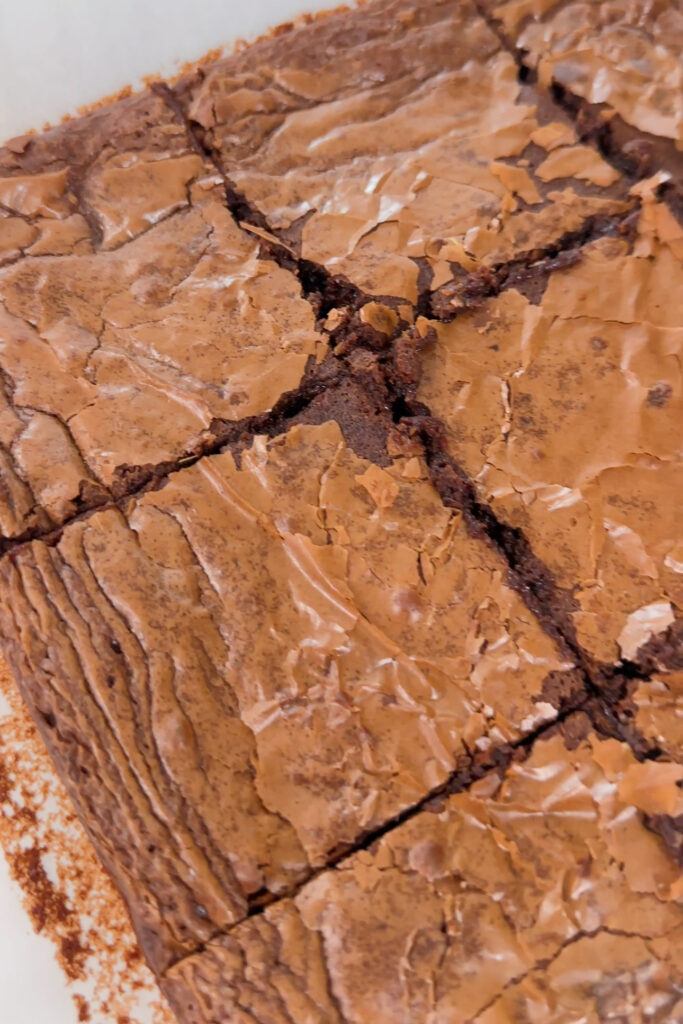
{"x": 393, "y": 135}
{"x": 134, "y": 309}
{"x": 292, "y": 652}
{"x": 123, "y": 356}
{"x": 96, "y": 181}
{"x": 623, "y": 53}
{"x": 567, "y": 413}
{"x": 541, "y": 895}
{"x": 341, "y": 551}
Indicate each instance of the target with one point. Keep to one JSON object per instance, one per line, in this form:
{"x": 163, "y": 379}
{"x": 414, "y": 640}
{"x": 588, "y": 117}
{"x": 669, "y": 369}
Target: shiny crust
{"x": 486, "y": 909}
{"x": 423, "y": 158}
{"x": 256, "y": 676}
{"x": 103, "y": 363}
{"x": 339, "y": 453}
{"x": 624, "y": 54}
{"x": 567, "y": 414}
{"x": 437, "y": 179}
{"x": 659, "y": 715}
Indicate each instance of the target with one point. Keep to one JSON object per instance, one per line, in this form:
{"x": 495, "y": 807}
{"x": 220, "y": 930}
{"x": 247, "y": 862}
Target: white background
{"x": 32, "y": 987}
{"x": 56, "y": 55}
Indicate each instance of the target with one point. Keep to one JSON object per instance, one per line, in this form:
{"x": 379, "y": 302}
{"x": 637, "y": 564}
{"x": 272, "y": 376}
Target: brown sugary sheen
{"x": 660, "y": 711}
{"x": 311, "y": 594}
{"x": 620, "y": 53}
{"x": 371, "y": 141}
{"x": 568, "y": 414}
{"x": 538, "y": 895}
{"x": 340, "y": 479}
{"x": 101, "y": 355}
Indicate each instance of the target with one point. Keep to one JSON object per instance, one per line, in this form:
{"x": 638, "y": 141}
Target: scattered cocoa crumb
{"x": 83, "y": 1009}
{"x": 48, "y": 907}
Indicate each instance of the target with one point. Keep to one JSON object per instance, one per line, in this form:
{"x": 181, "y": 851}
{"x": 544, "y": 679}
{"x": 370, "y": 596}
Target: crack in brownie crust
{"x": 567, "y": 415}
{"x": 614, "y": 68}
{"x": 104, "y": 362}
{"x": 325, "y": 291}
{"x": 527, "y": 273}
{"x": 423, "y": 158}
{"x": 295, "y": 597}
{"x": 487, "y": 911}
{"x": 355, "y": 613}
{"x": 635, "y": 47}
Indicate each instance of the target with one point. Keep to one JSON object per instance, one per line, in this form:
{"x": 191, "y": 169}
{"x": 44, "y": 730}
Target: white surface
{"x": 32, "y": 989}
{"x": 57, "y": 55}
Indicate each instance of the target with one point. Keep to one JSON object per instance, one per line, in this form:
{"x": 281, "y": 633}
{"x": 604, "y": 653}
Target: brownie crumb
{"x": 563, "y": 689}
{"x": 575, "y": 728}
{"x": 663, "y": 652}
{"x": 659, "y": 395}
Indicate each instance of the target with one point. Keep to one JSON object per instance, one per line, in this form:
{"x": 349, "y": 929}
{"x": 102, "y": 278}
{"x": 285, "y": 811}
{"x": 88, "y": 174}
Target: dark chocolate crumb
{"x": 659, "y": 395}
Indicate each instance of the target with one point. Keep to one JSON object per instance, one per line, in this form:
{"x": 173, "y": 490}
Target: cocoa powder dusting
{"x": 66, "y": 892}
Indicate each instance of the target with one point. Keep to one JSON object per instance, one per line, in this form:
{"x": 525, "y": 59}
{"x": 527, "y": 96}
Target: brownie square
{"x": 119, "y": 360}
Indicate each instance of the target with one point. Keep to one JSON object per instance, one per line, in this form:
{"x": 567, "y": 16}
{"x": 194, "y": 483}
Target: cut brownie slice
{"x": 625, "y": 54}
{"x": 311, "y": 706}
{"x": 394, "y": 138}
{"x": 121, "y": 357}
{"x": 253, "y": 667}
{"x": 540, "y": 896}
{"x": 61, "y": 193}
{"x": 567, "y": 415}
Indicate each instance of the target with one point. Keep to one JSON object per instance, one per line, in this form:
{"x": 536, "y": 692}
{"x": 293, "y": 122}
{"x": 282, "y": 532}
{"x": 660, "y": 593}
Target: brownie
{"x": 388, "y": 140}
{"x": 567, "y": 413}
{"x": 624, "y": 54}
{"x": 615, "y": 67}
{"x": 540, "y": 894}
{"x": 100, "y": 180}
{"x": 105, "y": 364}
{"x": 253, "y": 667}
{"x": 340, "y": 549}
{"x": 95, "y": 200}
